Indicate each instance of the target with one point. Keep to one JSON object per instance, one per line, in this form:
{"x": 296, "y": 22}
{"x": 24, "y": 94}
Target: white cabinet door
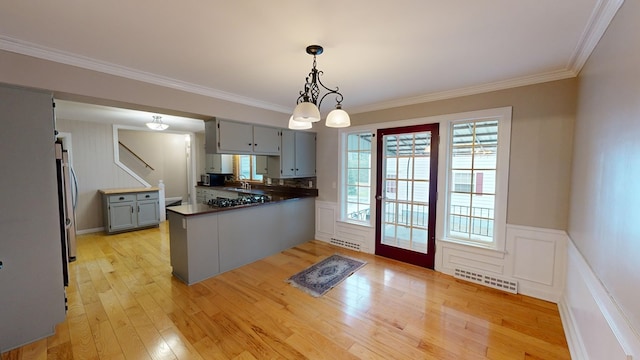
{"x": 234, "y": 137}
{"x": 266, "y": 140}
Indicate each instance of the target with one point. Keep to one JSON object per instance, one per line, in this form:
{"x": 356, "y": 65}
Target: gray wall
{"x": 164, "y": 152}
{"x": 32, "y": 295}
{"x": 94, "y": 165}
{"x": 92, "y": 147}
{"x": 541, "y": 145}
{"x": 605, "y": 200}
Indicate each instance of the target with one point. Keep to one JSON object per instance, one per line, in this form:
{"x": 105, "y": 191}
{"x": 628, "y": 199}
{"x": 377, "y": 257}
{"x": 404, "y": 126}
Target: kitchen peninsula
{"x": 207, "y": 240}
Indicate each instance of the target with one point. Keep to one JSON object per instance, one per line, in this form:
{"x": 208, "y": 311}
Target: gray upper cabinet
{"x": 266, "y": 140}
{"x": 261, "y": 165}
{"x": 219, "y": 164}
{"x": 234, "y": 137}
{"x": 298, "y": 156}
{"x": 305, "y": 152}
{"x": 230, "y": 137}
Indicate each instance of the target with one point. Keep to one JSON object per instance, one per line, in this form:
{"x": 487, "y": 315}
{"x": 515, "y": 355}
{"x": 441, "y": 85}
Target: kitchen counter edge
{"x": 201, "y": 209}
{"x": 128, "y": 190}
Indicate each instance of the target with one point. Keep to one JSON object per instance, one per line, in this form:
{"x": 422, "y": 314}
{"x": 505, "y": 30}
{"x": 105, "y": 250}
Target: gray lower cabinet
{"x": 148, "y": 206}
{"x": 204, "y": 245}
{"x": 131, "y": 211}
{"x": 256, "y": 232}
{"x": 193, "y": 244}
{"x": 121, "y": 212}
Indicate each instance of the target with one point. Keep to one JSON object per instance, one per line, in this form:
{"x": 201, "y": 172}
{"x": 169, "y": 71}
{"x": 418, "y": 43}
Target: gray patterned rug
{"x": 324, "y": 275}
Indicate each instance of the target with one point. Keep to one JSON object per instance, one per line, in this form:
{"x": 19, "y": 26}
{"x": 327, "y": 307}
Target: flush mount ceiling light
{"x": 308, "y": 109}
{"x": 157, "y": 124}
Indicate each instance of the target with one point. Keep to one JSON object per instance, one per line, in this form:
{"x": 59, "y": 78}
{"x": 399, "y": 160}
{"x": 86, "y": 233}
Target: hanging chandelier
{"x": 307, "y": 110}
{"x": 157, "y": 124}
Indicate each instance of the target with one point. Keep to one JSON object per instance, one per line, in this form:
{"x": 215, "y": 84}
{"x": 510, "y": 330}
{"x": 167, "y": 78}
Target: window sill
{"x": 356, "y": 223}
{"x": 487, "y": 247}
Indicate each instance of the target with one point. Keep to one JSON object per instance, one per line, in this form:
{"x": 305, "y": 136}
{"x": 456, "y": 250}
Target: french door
{"x": 407, "y": 168}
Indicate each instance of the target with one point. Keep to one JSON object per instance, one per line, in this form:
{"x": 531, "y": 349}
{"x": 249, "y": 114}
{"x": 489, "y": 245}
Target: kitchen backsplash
{"x": 309, "y": 183}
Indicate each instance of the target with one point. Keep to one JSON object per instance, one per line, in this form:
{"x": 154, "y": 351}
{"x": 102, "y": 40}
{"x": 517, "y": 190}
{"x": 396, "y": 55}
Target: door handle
{"x": 379, "y": 197}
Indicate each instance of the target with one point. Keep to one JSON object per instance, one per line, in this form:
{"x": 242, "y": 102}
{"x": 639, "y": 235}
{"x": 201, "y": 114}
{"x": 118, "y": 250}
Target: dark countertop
{"x": 128, "y": 190}
{"x": 276, "y": 195}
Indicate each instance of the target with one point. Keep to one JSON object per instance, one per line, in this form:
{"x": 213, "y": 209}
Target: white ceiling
{"x": 380, "y": 54}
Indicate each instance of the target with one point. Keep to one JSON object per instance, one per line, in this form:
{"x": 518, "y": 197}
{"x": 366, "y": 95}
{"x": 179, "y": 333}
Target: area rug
{"x": 324, "y": 275}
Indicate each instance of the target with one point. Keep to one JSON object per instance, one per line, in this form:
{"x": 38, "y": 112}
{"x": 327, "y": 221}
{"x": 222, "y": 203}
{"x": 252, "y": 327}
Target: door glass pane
{"x": 390, "y": 190}
{"x": 406, "y": 165}
{"x": 390, "y": 213}
{"x": 421, "y": 168}
{"x": 421, "y": 191}
{"x": 420, "y": 215}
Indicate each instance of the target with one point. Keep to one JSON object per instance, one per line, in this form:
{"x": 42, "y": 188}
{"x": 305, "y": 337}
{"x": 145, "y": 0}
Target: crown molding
{"x": 601, "y": 17}
{"x": 471, "y": 90}
{"x": 63, "y": 57}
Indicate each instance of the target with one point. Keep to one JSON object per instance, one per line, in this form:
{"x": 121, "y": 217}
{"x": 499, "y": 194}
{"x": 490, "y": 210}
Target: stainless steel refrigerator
{"x": 67, "y": 201}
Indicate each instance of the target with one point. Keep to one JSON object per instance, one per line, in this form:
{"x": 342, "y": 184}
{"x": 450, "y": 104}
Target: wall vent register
{"x": 487, "y": 280}
{"x": 345, "y": 244}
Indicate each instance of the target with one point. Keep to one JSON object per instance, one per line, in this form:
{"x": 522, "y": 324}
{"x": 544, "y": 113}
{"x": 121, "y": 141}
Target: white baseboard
{"x": 594, "y": 325}
{"x": 89, "y": 231}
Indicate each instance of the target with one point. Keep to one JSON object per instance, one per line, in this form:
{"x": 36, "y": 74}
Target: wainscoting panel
{"x": 594, "y": 326}
{"x": 466, "y": 257}
{"x": 537, "y": 260}
{"x": 358, "y": 234}
{"x": 325, "y": 220}
{"x": 351, "y": 236}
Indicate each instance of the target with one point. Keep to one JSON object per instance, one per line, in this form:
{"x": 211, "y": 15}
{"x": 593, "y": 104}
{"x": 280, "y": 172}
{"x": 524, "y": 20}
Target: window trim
{"x": 343, "y": 174}
{"x": 252, "y": 160}
{"x": 503, "y": 116}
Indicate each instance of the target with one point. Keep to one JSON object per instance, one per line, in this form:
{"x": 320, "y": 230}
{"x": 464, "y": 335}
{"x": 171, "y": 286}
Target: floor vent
{"x": 487, "y": 280}
{"x": 345, "y": 244}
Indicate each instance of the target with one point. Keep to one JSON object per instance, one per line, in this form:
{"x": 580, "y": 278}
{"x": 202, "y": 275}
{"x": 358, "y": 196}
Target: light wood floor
{"x": 124, "y": 304}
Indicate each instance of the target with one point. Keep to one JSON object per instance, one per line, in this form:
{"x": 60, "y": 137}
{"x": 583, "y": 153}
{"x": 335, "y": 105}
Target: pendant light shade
{"x": 308, "y": 103}
{"x": 338, "y": 118}
{"x": 157, "y": 124}
{"x": 306, "y": 112}
{"x": 298, "y": 125}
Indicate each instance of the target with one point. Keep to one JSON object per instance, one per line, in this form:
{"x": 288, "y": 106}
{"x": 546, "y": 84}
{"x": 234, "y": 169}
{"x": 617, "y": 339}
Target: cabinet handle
{"x": 121, "y": 198}
{"x": 147, "y": 196}
{"x": 132, "y": 209}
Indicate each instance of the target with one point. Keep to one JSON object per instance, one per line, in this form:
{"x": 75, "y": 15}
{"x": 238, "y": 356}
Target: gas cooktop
{"x": 222, "y": 202}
